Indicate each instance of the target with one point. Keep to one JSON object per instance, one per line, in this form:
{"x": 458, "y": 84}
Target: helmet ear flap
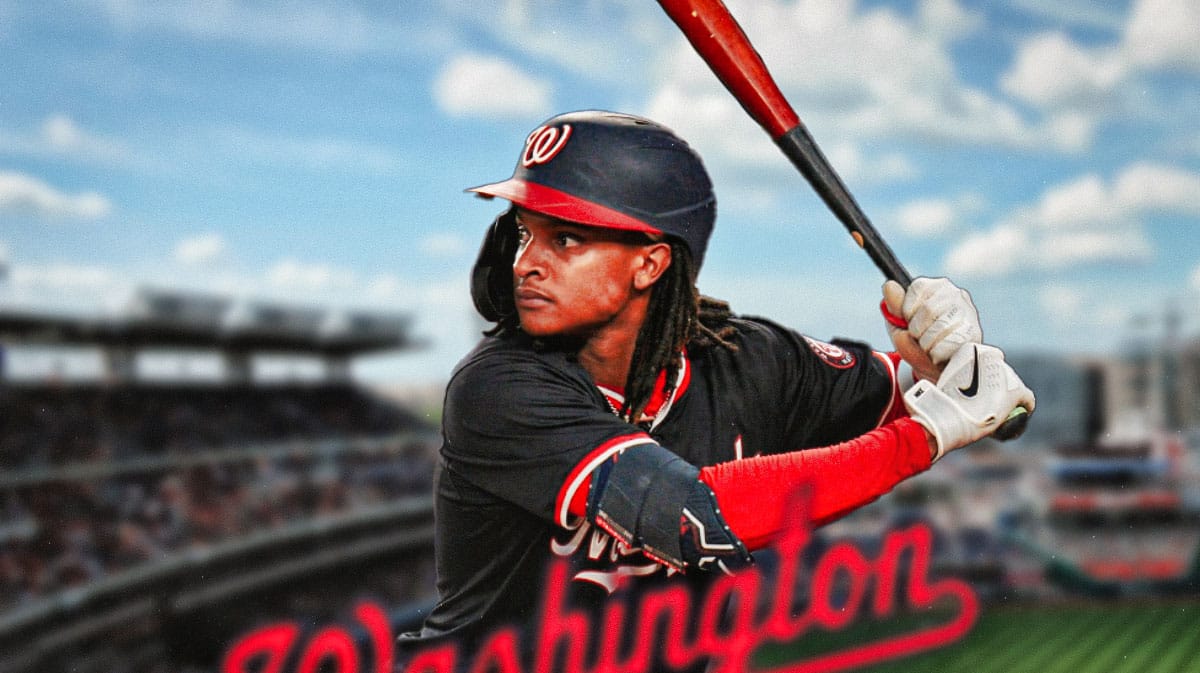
{"x": 491, "y": 277}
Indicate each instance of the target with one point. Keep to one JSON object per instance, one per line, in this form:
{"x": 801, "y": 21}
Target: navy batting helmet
{"x": 601, "y": 169}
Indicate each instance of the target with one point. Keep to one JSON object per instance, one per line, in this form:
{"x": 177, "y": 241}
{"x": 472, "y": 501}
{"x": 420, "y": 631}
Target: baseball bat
{"x": 720, "y": 41}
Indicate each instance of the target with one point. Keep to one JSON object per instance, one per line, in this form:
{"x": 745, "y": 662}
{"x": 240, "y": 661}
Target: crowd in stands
{"x": 59, "y": 531}
{"x": 57, "y": 426}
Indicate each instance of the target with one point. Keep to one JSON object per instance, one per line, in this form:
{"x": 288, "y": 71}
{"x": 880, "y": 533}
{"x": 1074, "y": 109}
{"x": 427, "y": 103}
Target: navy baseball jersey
{"x": 524, "y": 427}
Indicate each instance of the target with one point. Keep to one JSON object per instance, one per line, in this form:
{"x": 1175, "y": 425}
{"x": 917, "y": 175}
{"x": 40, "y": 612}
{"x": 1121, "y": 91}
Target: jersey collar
{"x": 660, "y": 402}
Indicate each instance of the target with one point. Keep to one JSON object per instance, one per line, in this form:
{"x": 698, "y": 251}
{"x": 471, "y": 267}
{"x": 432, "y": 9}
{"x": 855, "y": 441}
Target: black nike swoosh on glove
{"x": 973, "y": 387}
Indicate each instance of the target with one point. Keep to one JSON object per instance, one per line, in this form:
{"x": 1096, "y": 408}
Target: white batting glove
{"x": 975, "y": 394}
{"x": 941, "y": 319}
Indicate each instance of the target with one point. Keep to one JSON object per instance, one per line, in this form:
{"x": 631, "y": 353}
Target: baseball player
{"x": 616, "y": 418}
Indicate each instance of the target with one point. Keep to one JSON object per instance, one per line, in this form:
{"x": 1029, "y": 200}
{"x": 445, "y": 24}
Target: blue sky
{"x": 1044, "y": 155}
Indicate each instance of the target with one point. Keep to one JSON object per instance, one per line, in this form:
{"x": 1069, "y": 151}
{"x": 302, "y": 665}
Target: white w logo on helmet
{"x": 544, "y": 143}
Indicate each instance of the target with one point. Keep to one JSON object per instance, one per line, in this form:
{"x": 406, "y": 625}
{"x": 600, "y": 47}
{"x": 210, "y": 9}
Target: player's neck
{"x": 607, "y": 360}
{"x": 608, "y": 353}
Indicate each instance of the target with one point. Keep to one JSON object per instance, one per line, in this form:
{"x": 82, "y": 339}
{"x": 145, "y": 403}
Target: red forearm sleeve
{"x": 754, "y": 493}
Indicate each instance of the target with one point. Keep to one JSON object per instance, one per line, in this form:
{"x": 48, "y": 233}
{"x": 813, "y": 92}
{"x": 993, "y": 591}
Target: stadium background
{"x": 233, "y": 259}
{"x": 155, "y": 514}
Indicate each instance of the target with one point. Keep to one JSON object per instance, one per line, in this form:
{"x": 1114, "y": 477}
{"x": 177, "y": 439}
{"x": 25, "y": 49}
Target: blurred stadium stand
{"x": 146, "y": 522}
{"x": 1100, "y": 499}
{"x": 150, "y": 515}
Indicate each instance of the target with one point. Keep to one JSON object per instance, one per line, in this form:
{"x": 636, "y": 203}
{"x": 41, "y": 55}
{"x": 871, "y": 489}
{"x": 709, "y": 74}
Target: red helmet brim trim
{"x": 564, "y": 206}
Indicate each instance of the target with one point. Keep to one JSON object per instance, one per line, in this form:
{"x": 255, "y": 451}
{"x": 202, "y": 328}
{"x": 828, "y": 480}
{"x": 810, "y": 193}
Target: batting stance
{"x": 615, "y": 417}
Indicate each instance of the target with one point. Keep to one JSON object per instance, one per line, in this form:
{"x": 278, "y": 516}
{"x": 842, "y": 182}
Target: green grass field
{"x": 1162, "y": 637}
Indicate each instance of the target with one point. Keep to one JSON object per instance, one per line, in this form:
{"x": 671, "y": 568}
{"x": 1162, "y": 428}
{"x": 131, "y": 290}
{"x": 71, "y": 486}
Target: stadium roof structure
{"x": 171, "y": 319}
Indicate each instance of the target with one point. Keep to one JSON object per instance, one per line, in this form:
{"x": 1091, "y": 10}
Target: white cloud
{"x": 1061, "y": 303}
{"x": 1011, "y": 248}
{"x": 607, "y": 41}
{"x": 489, "y": 86}
{"x": 857, "y": 169}
{"x": 63, "y": 134}
{"x": 1140, "y": 189}
{"x": 384, "y": 286}
{"x": 1072, "y": 131}
{"x": 65, "y": 286}
{"x": 1062, "y": 249}
{"x": 200, "y": 250}
{"x": 295, "y": 275}
{"x": 1163, "y": 34}
{"x": 25, "y": 194}
{"x": 1080, "y": 202}
{"x": 1156, "y": 188}
{"x": 712, "y": 120}
{"x": 446, "y": 244}
{"x": 60, "y": 135}
{"x": 996, "y": 252}
{"x": 63, "y": 277}
{"x": 1078, "y": 311}
{"x": 1084, "y": 221}
{"x": 1059, "y": 75}
{"x": 1051, "y": 71}
{"x": 927, "y": 218}
{"x": 947, "y": 19}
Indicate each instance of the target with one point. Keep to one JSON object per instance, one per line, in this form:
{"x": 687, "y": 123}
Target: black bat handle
{"x": 804, "y": 154}
{"x": 807, "y": 157}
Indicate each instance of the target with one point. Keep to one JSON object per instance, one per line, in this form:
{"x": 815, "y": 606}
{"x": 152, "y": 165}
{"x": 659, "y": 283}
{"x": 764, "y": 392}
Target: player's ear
{"x": 653, "y": 262}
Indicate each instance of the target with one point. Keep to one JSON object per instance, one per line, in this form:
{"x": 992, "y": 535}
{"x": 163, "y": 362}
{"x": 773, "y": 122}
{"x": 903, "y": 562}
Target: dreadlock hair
{"x": 678, "y": 316}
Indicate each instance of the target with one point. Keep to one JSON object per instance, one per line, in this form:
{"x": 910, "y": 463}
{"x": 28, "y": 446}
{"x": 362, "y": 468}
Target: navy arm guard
{"x": 649, "y": 498}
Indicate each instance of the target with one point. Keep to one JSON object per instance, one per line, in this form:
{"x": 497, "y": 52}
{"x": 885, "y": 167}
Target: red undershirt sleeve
{"x": 754, "y": 493}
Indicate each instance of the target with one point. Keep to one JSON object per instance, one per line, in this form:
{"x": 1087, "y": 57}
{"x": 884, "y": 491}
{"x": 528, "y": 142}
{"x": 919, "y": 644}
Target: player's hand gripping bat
{"x": 720, "y": 41}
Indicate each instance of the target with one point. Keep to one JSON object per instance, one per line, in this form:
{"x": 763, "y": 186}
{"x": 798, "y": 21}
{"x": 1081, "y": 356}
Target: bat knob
{"x": 1013, "y": 426}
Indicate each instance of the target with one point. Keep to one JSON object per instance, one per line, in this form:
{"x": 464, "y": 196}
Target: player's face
{"x": 574, "y": 280}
